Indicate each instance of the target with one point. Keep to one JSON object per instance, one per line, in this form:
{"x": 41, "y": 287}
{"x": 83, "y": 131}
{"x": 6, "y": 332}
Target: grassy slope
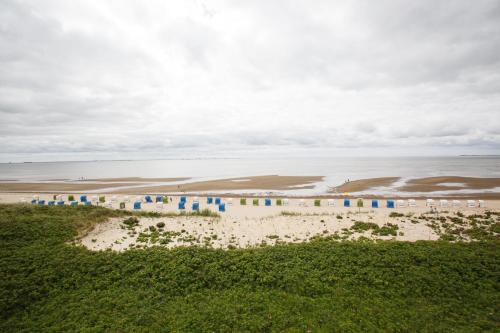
{"x": 46, "y": 284}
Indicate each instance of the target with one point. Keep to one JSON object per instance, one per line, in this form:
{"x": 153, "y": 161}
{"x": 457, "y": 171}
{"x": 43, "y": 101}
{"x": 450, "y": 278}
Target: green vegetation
{"x": 243, "y": 201}
{"x": 396, "y": 214}
{"x": 48, "y": 284}
{"x": 387, "y": 229}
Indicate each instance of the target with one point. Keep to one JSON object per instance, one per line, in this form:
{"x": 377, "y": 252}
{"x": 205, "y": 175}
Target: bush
{"x": 131, "y": 221}
{"x": 160, "y": 224}
{"x": 102, "y": 199}
{"x": 396, "y": 214}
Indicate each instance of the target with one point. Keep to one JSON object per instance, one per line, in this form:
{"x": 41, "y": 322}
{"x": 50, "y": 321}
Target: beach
{"x": 249, "y": 226}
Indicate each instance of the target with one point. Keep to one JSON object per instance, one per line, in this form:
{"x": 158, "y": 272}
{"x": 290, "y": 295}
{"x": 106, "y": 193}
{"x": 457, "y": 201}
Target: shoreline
{"x": 272, "y": 186}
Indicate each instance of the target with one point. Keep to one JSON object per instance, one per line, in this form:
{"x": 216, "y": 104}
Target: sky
{"x": 84, "y": 80}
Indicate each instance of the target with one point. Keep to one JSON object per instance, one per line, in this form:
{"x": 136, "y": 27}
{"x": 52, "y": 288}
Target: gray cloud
{"x": 100, "y": 78}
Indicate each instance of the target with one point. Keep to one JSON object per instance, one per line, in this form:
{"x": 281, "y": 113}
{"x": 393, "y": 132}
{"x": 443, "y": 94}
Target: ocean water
{"x": 336, "y": 170}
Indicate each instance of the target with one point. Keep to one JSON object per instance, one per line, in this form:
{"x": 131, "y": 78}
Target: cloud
{"x": 97, "y": 77}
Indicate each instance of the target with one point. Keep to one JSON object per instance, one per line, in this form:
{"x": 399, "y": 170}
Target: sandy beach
{"x": 274, "y": 186}
{"x": 249, "y": 225}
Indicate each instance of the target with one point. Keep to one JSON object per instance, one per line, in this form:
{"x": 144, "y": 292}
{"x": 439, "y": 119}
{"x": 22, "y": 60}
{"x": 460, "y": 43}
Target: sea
{"x": 336, "y": 170}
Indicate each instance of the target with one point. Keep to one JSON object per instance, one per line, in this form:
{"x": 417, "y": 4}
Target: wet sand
{"x": 14, "y": 187}
{"x": 364, "y": 184}
{"x": 432, "y": 184}
{"x": 138, "y": 179}
{"x": 272, "y": 182}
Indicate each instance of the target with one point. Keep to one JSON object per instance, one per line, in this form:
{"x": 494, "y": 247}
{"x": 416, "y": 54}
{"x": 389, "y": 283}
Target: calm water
{"x": 335, "y": 170}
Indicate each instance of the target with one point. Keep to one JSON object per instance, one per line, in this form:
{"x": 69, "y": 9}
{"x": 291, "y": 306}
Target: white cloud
{"x": 104, "y": 78}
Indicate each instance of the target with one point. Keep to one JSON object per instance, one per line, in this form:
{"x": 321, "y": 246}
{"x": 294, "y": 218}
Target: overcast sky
{"x": 131, "y": 79}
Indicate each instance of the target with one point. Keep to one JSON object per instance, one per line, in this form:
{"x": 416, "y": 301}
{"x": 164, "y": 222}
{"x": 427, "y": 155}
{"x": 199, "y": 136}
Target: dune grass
{"x": 48, "y": 284}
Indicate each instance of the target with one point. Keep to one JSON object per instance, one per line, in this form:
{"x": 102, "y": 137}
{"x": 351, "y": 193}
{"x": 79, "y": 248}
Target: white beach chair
{"x": 471, "y": 204}
{"x": 286, "y": 202}
{"x": 331, "y": 202}
{"x": 443, "y": 203}
{"x": 400, "y": 203}
{"x": 59, "y": 197}
{"x": 456, "y": 203}
{"x": 229, "y": 201}
{"x": 114, "y": 198}
{"x": 481, "y": 203}
{"x": 196, "y": 199}
{"x": 159, "y": 205}
{"x": 36, "y": 197}
{"x": 94, "y": 199}
{"x": 139, "y": 198}
{"x": 108, "y": 204}
{"x": 412, "y": 203}
{"x": 126, "y": 198}
{"x": 430, "y": 203}
{"x": 302, "y": 202}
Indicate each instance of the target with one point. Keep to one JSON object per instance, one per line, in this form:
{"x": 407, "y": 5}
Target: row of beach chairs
{"x": 221, "y": 203}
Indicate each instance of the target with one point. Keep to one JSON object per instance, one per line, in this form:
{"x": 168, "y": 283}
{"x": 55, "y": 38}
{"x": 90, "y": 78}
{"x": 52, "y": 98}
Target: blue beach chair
{"x": 60, "y": 203}
{"x": 83, "y": 198}
{"x": 182, "y": 204}
{"x": 390, "y": 203}
{"x": 41, "y": 202}
{"x": 159, "y": 198}
{"x": 51, "y": 203}
{"x": 222, "y": 207}
{"x": 374, "y": 203}
{"x": 183, "y": 199}
{"x": 267, "y": 202}
{"x": 87, "y": 203}
{"x": 148, "y": 199}
{"x": 74, "y": 203}
{"x": 210, "y": 200}
{"x": 217, "y": 201}
{"x": 347, "y": 203}
{"x": 137, "y": 205}
{"x": 196, "y": 206}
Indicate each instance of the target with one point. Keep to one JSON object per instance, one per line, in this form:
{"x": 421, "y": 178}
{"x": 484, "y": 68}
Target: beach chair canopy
{"x": 196, "y": 206}
{"x": 210, "y": 200}
{"x": 268, "y": 202}
{"x": 182, "y": 205}
{"x": 183, "y": 199}
{"x": 159, "y": 198}
{"x": 390, "y": 203}
{"x": 137, "y": 205}
{"x": 347, "y": 202}
{"x": 222, "y": 207}
{"x": 374, "y": 203}
{"x": 217, "y": 201}
{"x": 148, "y": 199}
{"x": 83, "y": 198}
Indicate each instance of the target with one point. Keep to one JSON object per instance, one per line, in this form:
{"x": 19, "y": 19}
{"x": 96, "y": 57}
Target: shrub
{"x": 102, "y": 199}
{"x": 160, "y": 224}
{"x": 131, "y": 221}
{"x": 152, "y": 228}
{"x": 396, "y": 214}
